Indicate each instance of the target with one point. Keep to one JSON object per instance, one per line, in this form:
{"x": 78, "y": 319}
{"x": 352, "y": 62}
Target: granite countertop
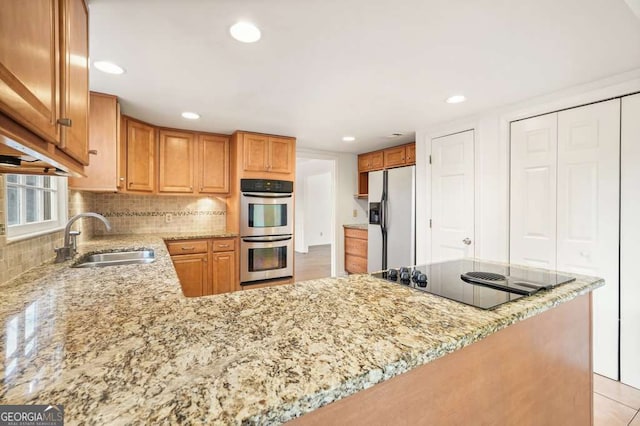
{"x": 364, "y": 226}
{"x": 123, "y": 345}
{"x": 196, "y": 235}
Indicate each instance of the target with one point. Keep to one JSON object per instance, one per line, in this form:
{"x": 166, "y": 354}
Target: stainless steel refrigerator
{"x": 392, "y": 218}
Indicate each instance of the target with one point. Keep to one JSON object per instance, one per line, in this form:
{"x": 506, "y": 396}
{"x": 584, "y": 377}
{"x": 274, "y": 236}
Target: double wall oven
{"x": 266, "y": 230}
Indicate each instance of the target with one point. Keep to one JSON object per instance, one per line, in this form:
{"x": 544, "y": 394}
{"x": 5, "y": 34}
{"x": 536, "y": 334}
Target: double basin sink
{"x": 131, "y": 257}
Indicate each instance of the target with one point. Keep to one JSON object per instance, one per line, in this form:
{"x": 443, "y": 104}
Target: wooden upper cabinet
{"x": 74, "y": 36}
{"x": 177, "y": 161}
{"x": 394, "y": 157}
{"x": 104, "y": 137}
{"x": 255, "y": 152}
{"x": 272, "y": 154}
{"x": 411, "y": 153}
{"x": 281, "y": 155}
{"x": 213, "y": 164}
{"x": 29, "y": 65}
{"x": 141, "y": 156}
{"x": 371, "y": 161}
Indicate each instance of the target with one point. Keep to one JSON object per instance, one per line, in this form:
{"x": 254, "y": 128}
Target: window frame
{"x": 40, "y": 227}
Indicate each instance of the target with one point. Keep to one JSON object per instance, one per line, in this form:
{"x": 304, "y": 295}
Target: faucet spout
{"x": 68, "y": 250}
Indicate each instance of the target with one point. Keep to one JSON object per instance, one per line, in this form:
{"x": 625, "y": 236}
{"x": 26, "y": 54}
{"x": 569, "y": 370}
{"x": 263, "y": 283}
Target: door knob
{"x": 467, "y": 241}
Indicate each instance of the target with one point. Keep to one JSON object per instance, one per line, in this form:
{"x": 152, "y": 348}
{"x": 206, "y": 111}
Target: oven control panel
{"x": 266, "y": 185}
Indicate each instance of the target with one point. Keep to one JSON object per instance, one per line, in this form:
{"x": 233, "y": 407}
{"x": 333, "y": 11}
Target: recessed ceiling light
{"x": 108, "y": 67}
{"x": 245, "y": 32}
{"x": 190, "y": 115}
{"x": 456, "y": 99}
{"x": 348, "y": 138}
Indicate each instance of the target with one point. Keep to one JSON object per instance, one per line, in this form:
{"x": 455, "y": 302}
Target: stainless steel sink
{"x": 116, "y": 258}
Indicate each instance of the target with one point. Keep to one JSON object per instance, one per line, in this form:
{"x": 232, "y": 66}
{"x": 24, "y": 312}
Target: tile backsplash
{"x": 144, "y": 214}
{"x": 137, "y": 214}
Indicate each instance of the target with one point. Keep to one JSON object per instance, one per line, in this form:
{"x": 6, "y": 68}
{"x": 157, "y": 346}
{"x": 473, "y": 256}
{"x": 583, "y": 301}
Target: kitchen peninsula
{"x": 123, "y": 345}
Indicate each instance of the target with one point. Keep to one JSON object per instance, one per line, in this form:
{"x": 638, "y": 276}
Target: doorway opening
{"x": 314, "y": 218}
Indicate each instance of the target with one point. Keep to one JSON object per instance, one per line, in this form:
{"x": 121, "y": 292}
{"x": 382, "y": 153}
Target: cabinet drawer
{"x": 187, "y": 247}
{"x": 355, "y": 246}
{"x": 224, "y": 245}
{"x": 355, "y": 264}
{"x": 356, "y": 233}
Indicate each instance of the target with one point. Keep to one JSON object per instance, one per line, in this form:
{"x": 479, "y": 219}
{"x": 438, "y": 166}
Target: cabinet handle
{"x": 121, "y": 179}
{"x": 130, "y": 183}
{"x": 188, "y": 248}
{"x": 191, "y": 188}
{"x": 223, "y": 245}
{"x": 93, "y": 152}
{"x": 66, "y": 122}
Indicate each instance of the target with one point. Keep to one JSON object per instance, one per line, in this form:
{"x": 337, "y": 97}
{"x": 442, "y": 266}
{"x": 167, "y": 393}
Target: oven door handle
{"x": 265, "y": 239}
{"x": 265, "y": 195}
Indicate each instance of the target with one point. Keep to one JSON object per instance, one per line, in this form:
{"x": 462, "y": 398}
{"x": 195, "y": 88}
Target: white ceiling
{"x": 328, "y": 68}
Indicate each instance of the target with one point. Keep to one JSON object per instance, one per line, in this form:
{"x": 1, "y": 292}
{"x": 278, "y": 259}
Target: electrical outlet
{"x": 355, "y": 213}
{"x": 168, "y": 218}
{"x": 321, "y": 234}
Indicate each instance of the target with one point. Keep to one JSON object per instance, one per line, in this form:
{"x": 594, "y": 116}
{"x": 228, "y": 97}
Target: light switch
{"x": 355, "y": 213}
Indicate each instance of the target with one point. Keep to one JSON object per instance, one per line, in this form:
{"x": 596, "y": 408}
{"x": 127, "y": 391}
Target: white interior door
{"x": 533, "y": 191}
{"x": 588, "y": 215}
{"x": 452, "y": 192}
{"x": 629, "y": 243}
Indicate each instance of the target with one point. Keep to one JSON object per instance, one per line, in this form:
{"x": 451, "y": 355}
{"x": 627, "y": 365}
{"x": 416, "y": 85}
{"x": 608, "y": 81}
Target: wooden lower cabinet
{"x": 223, "y": 269}
{"x": 355, "y": 250}
{"x": 193, "y": 273}
{"x": 205, "y": 266}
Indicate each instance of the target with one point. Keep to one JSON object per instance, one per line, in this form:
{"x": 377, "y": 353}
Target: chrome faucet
{"x": 67, "y": 251}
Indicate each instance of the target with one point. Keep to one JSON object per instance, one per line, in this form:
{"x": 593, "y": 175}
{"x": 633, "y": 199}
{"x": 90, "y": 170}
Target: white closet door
{"x": 533, "y": 191}
{"x": 452, "y": 197}
{"x": 588, "y": 213}
{"x": 630, "y": 243}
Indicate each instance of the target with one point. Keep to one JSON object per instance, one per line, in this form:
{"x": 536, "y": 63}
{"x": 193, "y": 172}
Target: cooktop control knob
{"x": 403, "y": 269}
{"x": 421, "y": 280}
{"x": 415, "y": 274}
{"x": 392, "y": 274}
{"x": 404, "y": 277}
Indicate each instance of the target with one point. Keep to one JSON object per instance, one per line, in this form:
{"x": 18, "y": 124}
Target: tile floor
{"x": 614, "y": 403}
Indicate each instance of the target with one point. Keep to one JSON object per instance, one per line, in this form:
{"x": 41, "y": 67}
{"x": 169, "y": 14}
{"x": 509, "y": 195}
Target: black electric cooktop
{"x": 480, "y": 284}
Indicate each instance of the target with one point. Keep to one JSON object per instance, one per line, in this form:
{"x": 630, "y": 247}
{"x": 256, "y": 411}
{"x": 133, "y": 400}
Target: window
{"x": 35, "y": 204}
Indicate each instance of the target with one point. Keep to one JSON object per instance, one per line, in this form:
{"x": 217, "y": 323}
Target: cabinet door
{"x": 281, "y": 155}
{"x": 224, "y": 272}
{"x": 255, "y": 152}
{"x": 192, "y": 272}
{"x": 74, "y": 37}
{"x": 410, "y": 157}
{"x": 213, "y": 164}
{"x": 377, "y": 160}
{"x": 177, "y": 160}
{"x": 141, "y": 154}
{"x": 103, "y": 137}
{"x": 534, "y": 145}
{"x": 588, "y": 215}
{"x": 364, "y": 162}
{"x": 29, "y": 64}
{"x": 394, "y": 157}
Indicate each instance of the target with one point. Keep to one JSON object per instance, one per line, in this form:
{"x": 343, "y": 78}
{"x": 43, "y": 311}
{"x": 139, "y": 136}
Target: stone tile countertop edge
{"x": 123, "y": 345}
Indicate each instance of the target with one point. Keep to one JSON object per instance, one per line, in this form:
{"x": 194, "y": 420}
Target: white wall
{"x": 317, "y": 226}
{"x": 492, "y": 160}
{"x": 344, "y": 186}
